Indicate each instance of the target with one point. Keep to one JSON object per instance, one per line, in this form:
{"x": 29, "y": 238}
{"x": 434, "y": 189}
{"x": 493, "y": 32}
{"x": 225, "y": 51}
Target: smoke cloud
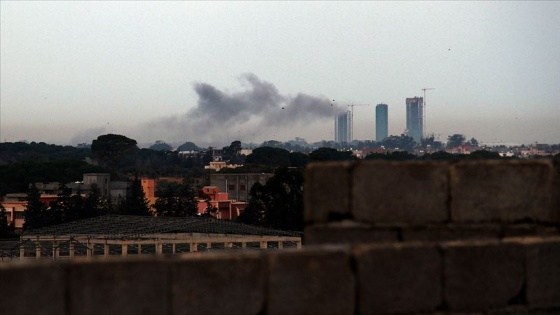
{"x": 260, "y": 109}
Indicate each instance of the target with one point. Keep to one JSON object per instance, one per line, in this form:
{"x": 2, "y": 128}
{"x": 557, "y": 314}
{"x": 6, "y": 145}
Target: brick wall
{"x": 382, "y": 238}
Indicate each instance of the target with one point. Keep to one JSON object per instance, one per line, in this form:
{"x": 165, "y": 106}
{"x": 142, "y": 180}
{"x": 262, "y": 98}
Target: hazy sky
{"x": 214, "y": 72}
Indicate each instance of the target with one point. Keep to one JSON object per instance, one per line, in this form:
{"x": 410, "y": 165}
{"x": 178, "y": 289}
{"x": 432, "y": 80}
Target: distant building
{"x": 218, "y": 166}
{"x": 415, "y": 118}
{"x": 239, "y": 185}
{"x": 381, "y": 122}
{"x": 343, "y": 128}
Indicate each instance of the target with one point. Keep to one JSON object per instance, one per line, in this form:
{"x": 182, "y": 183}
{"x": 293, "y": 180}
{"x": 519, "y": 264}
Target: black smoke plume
{"x": 260, "y": 109}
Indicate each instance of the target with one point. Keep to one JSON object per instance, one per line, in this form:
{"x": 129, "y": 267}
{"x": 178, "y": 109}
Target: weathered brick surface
{"x": 397, "y": 278}
{"x": 482, "y": 275}
{"x": 227, "y": 283}
{"x": 312, "y": 281}
{"x": 345, "y": 232}
{"x": 543, "y": 272}
{"x": 441, "y": 233}
{"x": 119, "y": 286}
{"x": 400, "y": 192}
{"x": 31, "y": 289}
{"x": 327, "y": 190}
{"x": 506, "y": 191}
{"x": 517, "y": 230}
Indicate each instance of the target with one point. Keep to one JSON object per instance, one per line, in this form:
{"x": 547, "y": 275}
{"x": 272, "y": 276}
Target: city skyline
{"x": 217, "y": 72}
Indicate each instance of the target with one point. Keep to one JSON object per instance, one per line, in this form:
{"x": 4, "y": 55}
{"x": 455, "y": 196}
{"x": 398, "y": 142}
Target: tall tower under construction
{"x": 415, "y": 117}
{"x": 342, "y": 125}
{"x": 381, "y": 122}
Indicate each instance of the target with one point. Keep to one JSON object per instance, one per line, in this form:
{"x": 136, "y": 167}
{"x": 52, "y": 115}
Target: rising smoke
{"x": 260, "y": 109}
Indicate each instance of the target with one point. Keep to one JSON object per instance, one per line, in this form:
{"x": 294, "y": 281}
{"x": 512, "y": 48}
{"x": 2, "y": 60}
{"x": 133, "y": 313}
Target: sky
{"x": 215, "y": 72}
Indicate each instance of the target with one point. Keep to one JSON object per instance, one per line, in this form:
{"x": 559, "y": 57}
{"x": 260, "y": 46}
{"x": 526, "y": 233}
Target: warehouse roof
{"x": 127, "y": 226}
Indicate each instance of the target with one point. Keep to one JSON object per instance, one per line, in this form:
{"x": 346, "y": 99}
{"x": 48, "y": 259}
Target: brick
{"x": 347, "y": 233}
{"x": 442, "y": 233}
{"x": 232, "y": 283}
{"x": 311, "y": 281}
{"x": 543, "y": 273}
{"x": 480, "y": 275}
{"x": 32, "y": 288}
{"x": 398, "y": 278}
{"x": 327, "y": 191}
{"x": 400, "y": 192}
{"x": 118, "y": 286}
{"x": 501, "y": 191}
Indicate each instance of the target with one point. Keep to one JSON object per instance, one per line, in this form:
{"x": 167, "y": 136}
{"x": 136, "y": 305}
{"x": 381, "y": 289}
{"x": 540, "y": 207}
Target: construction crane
{"x": 424, "y": 132}
{"x": 352, "y": 118}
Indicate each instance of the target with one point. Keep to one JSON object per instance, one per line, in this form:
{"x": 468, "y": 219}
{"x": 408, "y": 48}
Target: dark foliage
{"x": 329, "y": 154}
{"x": 115, "y": 152}
{"x": 176, "y": 200}
{"x": 277, "y": 204}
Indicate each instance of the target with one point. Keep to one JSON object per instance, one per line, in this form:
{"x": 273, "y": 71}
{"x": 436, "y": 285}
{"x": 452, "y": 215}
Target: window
{"x": 19, "y": 215}
{"x": 242, "y": 187}
{"x": 231, "y": 187}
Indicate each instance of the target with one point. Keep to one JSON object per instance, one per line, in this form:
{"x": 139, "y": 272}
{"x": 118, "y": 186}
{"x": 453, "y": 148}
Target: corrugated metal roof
{"x": 126, "y": 226}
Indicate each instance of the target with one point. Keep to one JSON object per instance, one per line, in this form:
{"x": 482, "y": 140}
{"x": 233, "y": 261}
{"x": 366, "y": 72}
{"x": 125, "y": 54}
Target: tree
{"x": 329, "y": 154}
{"x": 177, "y": 200}
{"x": 455, "y": 141}
{"x": 402, "y": 142}
{"x": 255, "y": 211}
{"x": 161, "y": 146}
{"x": 188, "y": 146}
{"x": 114, "y": 151}
{"x": 135, "y": 202}
{"x": 6, "y": 229}
{"x": 473, "y": 142}
{"x": 269, "y": 156}
{"x": 431, "y": 143}
{"x": 484, "y": 155}
{"x": 278, "y": 203}
{"x": 35, "y": 211}
{"x": 232, "y": 154}
{"x": 393, "y": 156}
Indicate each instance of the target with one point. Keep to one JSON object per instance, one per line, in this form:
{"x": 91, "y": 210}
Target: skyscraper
{"x": 342, "y": 125}
{"x": 381, "y": 122}
{"x": 415, "y": 118}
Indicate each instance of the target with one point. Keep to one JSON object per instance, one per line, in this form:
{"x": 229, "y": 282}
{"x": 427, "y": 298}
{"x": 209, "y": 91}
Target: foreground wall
{"x": 383, "y": 238}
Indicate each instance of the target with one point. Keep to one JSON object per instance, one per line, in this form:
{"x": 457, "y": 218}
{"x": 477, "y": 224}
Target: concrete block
{"x": 480, "y": 275}
{"x": 226, "y": 283}
{"x": 543, "y": 272}
{"x": 398, "y": 278}
{"x": 347, "y": 233}
{"x": 501, "y": 191}
{"x": 451, "y": 232}
{"x": 118, "y": 286}
{"x": 530, "y": 229}
{"x": 327, "y": 191}
{"x": 400, "y": 192}
{"x": 311, "y": 281}
{"x": 31, "y": 288}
